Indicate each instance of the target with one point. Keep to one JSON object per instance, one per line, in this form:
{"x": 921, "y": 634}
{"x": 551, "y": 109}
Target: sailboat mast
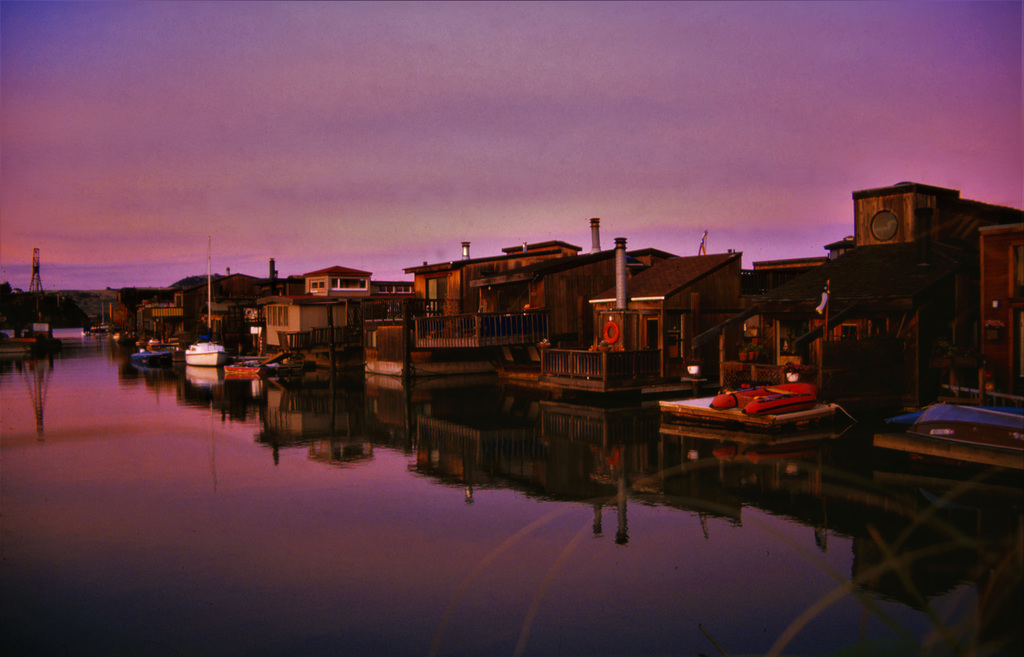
{"x": 209, "y": 291}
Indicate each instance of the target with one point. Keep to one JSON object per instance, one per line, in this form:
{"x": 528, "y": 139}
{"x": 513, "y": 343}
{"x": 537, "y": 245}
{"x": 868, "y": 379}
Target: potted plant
{"x": 793, "y": 371}
{"x": 993, "y": 329}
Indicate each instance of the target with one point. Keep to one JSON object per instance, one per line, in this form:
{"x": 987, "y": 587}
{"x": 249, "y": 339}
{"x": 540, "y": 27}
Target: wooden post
{"x": 330, "y": 339}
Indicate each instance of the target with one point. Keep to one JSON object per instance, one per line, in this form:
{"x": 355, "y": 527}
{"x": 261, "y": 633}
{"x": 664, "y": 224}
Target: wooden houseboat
{"x": 642, "y": 327}
{"x": 482, "y": 314}
{"x": 324, "y": 323}
{"x": 866, "y": 322}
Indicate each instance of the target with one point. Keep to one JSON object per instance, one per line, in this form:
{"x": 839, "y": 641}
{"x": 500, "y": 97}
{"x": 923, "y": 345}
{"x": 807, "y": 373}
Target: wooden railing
{"x": 481, "y": 329}
{"x": 605, "y": 366}
{"x": 344, "y": 336}
{"x": 391, "y": 311}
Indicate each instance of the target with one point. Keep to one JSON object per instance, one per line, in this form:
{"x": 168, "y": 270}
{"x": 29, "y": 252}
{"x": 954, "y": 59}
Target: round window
{"x": 884, "y": 225}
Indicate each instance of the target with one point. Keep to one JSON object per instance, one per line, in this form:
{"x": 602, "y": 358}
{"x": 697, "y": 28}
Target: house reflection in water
{"x": 328, "y": 417}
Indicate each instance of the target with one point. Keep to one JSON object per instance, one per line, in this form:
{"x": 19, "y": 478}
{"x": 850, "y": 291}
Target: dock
{"x": 698, "y": 412}
{"x": 946, "y": 449}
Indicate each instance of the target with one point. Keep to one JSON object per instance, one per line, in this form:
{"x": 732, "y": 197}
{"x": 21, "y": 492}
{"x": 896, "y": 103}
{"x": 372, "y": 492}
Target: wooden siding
{"x": 1001, "y": 346}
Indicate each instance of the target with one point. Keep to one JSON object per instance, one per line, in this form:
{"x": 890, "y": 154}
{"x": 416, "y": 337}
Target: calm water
{"x": 174, "y": 513}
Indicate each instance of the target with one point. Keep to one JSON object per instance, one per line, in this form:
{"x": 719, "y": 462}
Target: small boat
{"x": 992, "y": 427}
{"x": 206, "y": 354}
{"x": 14, "y": 346}
{"x": 147, "y": 358}
{"x": 775, "y": 400}
{"x": 249, "y": 368}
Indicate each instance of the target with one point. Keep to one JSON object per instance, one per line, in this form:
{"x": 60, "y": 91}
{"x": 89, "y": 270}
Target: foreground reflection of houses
{"x": 328, "y": 418}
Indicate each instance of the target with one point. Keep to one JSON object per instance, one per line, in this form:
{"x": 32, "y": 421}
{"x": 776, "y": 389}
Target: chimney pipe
{"x": 273, "y": 271}
{"x": 595, "y": 234}
{"x": 620, "y": 273}
{"x": 465, "y": 250}
{"x": 524, "y": 247}
{"x": 923, "y": 218}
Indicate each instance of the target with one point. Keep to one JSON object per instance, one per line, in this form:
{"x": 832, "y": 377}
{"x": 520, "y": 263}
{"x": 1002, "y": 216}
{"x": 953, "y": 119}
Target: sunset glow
{"x": 381, "y": 135}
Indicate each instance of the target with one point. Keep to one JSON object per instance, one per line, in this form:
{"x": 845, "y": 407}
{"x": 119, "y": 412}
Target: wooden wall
{"x": 1001, "y": 347}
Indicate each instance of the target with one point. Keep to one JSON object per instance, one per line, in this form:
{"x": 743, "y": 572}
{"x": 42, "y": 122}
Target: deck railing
{"x": 344, "y": 336}
{"x": 481, "y": 329}
{"x": 391, "y": 311}
{"x": 605, "y": 366}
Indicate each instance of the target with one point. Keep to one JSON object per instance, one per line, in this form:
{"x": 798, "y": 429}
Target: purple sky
{"x": 379, "y": 136}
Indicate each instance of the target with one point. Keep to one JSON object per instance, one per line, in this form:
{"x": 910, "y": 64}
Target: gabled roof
{"x": 872, "y": 272}
{"x": 340, "y": 271}
{"x": 538, "y": 246}
{"x": 217, "y": 279}
{"x": 667, "y": 277}
{"x": 533, "y": 250}
{"x": 548, "y": 267}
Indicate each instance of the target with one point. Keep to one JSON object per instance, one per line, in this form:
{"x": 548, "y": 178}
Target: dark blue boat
{"x": 147, "y": 358}
{"x": 997, "y": 427}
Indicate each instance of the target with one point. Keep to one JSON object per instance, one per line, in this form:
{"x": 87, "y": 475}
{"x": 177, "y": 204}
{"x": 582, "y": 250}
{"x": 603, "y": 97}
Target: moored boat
{"x": 249, "y": 368}
{"x": 147, "y": 358}
{"x": 784, "y": 398}
{"x": 1000, "y": 428}
{"x": 206, "y": 354}
{"x": 985, "y": 435}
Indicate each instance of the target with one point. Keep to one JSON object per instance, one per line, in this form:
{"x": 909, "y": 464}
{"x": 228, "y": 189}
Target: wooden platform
{"x": 945, "y": 449}
{"x": 698, "y": 412}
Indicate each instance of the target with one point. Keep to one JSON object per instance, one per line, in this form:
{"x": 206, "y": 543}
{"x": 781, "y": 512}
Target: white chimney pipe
{"x": 595, "y": 234}
{"x": 465, "y": 250}
{"x": 620, "y": 273}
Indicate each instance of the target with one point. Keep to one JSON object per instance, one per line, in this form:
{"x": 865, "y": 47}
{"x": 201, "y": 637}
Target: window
{"x": 277, "y": 315}
{"x": 436, "y": 288}
{"x": 348, "y": 283}
{"x": 1018, "y": 271}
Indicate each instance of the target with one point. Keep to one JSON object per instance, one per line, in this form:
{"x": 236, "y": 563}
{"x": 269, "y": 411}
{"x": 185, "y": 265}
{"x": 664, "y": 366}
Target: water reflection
{"x": 930, "y": 553}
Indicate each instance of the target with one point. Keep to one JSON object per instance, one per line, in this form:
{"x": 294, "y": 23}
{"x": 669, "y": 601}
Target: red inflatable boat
{"x": 784, "y": 398}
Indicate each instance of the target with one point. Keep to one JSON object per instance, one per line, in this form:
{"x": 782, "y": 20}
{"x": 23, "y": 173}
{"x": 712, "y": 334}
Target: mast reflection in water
{"x": 174, "y": 512}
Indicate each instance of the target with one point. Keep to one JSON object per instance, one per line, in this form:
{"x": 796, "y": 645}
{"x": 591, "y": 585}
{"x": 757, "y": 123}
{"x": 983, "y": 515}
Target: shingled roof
{"x": 882, "y": 272}
{"x": 669, "y": 276}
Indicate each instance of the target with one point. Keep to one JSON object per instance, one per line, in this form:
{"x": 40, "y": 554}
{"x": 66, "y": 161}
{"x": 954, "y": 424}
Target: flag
{"x": 824, "y": 299}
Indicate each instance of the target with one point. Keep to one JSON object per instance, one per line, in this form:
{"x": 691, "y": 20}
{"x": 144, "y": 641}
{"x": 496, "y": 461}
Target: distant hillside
{"x": 94, "y": 303}
{"x": 192, "y": 281}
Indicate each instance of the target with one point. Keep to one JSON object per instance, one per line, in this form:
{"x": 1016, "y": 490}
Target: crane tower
{"x": 36, "y": 285}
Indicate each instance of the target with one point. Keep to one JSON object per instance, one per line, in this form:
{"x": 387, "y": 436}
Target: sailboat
{"x": 207, "y": 354}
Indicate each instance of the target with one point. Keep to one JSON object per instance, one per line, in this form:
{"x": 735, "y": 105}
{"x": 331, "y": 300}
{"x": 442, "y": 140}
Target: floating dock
{"x": 698, "y": 412}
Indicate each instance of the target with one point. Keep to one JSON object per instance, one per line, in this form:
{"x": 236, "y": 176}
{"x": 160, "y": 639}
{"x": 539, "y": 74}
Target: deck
{"x": 604, "y": 371}
{"x": 480, "y": 330}
{"x": 698, "y": 412}
{"x": 946, "y": 449}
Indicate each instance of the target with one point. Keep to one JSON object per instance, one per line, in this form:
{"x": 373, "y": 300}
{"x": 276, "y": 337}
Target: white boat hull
{"x": 206, "y": 355}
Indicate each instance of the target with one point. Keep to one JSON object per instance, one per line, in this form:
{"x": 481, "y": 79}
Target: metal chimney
{"x": 465, "y": 250}
{"x": 273, "y": 271}
{"x": 620, "y": 273}
{"x": 595, "y": 234}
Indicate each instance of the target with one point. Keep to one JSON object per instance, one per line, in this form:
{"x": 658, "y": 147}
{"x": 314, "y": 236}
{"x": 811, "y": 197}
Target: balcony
{"x": 480, "y": 330}
{"x": 601, "y": 371}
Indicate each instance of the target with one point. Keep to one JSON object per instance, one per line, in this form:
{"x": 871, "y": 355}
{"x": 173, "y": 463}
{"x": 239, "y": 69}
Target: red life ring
{"x": 611, "y": 332}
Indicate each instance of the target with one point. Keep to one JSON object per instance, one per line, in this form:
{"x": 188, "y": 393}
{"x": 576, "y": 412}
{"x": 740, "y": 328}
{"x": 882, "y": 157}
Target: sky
{"x": 379, "y": 136}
